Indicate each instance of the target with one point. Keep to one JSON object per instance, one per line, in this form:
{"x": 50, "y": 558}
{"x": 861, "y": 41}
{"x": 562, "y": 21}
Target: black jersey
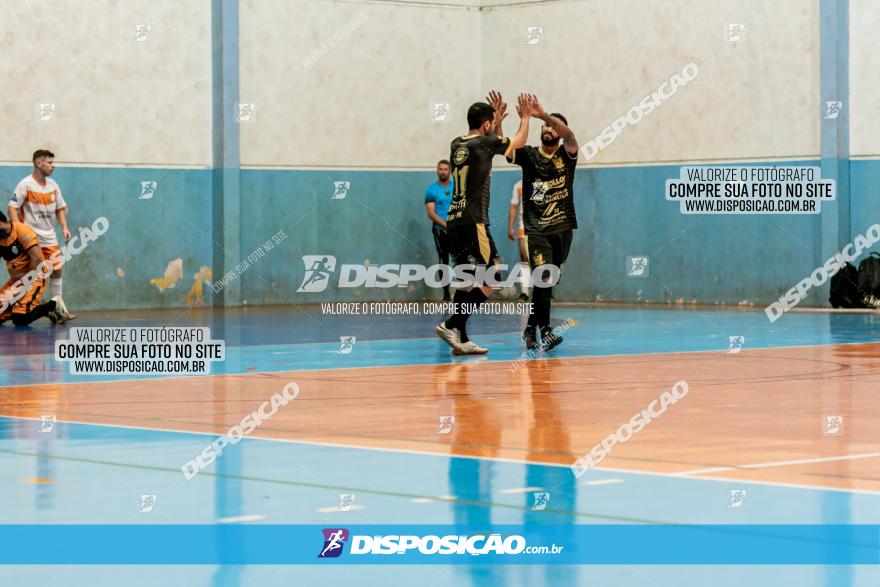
{"x": 471, "y": 158}
{"x": 548, "y": 189}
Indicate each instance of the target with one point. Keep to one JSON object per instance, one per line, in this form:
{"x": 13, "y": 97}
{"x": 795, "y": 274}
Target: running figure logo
{"x": 346, "y": 501}
{"x": 737, "y": 497}
{"x": 346, "y": 344}
{"x": 734, "y": 32}
{"x": 533, "y": 35}
{"x": 334, "y": 540}
{"x": 637, "y": 266}
{"x": 246, "y": 111}
{"x": 141, "y": 32}
{"x": 147, "y": 503}
{"x": 736, "y": 343}
{"x": 148, "y": 190}
{"x": 318, "y": 271}
{"x": 541, "y": 500}
{"x": 439, "y": 111}
{"x": 832, "y": 109}
{"x": 340, "y": 189}
{"x": 833, "y": 425}
{"x": 46, "y": 112}
{"x": 447, "y": 423}
{"x": 47, "y": 423}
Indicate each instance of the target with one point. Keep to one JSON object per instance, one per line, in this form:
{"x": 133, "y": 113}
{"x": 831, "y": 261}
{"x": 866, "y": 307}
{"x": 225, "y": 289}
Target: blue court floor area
{"x": 100, "y": 473}
{"x": 289, "y": 338}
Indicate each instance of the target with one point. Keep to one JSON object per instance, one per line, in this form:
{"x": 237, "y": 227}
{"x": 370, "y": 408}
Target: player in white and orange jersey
{"x": 37, "y": 201}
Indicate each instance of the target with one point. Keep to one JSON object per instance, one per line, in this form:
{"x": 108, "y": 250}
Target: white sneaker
{"x": 469, "y": 348}
{"x": 61, "y": 315}
{"x": 450, "y": 336}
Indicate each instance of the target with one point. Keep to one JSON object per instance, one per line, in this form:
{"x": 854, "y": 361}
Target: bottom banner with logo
{"x": 440, "y": 544}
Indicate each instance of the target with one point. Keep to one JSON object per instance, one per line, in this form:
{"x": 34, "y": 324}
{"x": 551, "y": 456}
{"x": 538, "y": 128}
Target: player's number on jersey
{"x": 459, "y": 176}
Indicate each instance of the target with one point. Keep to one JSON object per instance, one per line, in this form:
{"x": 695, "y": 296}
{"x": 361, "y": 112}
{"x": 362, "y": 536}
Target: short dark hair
{"x": 478, "y": 113}
{"x": 444, "y": 162}
{"x": 40, "y": 153}
{"x": 2, "y": 217}
{"x": 560, "y": 117}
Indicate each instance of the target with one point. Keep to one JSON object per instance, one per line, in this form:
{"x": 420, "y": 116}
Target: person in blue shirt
{"x": 437, "y": 199}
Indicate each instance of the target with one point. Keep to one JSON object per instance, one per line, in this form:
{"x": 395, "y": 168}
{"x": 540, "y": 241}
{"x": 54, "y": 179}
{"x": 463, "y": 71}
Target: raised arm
{"x": 566, "y": 134}
{"x": 497, "y": 102}
{"x": 524, "y": 109}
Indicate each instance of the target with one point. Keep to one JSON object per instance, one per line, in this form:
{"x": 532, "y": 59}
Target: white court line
{"x": 516, "y": 490}
{"x": 238, "y": 519}
{"x": 869, "y": 455}
{"x": 701, "y": 471}
{"x": 450, "y": 456}
{"x": 604, "y": 482}
{"x": 335, "y": 508}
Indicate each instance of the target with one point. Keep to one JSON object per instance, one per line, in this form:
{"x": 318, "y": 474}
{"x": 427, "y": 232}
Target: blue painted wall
{"x": 621, "y": 211}
{"x": 144, "y": 235}
{"x": 864, "y": 176}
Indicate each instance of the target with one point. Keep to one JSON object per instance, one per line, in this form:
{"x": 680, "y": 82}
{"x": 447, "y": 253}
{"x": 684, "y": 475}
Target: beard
{"x": 548, "y": 141}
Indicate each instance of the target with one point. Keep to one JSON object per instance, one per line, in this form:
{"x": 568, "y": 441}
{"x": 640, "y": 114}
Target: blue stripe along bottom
{"x": 575, "y": 544}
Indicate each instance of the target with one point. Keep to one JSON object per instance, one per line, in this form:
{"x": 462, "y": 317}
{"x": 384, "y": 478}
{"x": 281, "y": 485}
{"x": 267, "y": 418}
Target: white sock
{"x": 54, "y": 287}
{"x": 525, "y": 277}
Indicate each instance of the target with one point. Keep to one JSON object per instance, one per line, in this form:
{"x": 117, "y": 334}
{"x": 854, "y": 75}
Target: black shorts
{"x": 471, "y": 244}
{"x": 549, "y": 249}
{"x": 441, "y": 242}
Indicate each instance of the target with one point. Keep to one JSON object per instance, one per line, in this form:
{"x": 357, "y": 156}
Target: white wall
{"x": 864, "y": 78}
{"x": 117, "y": 101}
{"x": 756, "y": 99}
{"x": 366, "y": 101}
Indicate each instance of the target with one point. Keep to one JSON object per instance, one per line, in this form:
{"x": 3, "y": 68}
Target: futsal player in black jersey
{"x": 548, "y": 213}
{"x": 467, "y": 223}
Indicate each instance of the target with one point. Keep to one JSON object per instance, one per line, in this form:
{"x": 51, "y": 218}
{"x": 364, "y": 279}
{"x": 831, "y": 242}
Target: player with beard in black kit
{"x": 548, "y": 214}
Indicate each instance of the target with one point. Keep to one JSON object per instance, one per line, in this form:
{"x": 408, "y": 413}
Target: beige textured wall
{"x": 864, "y": 78}
{"x": 755, "y": 99}
{"x": 366, "y": 101}
{"x": 116, "y": 100}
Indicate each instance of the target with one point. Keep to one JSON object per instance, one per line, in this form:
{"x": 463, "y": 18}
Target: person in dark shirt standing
{"x": 548, "y": 215}
{"x": 470, "y": 242}
{"x": 438, "y": 196}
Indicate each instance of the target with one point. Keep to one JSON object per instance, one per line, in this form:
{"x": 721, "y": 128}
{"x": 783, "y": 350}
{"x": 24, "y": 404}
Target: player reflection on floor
{"x": 548, "y": 432}
{"x": 478, "y": 432}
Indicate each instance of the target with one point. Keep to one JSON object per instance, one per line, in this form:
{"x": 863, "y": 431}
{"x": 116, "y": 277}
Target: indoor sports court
{"x": 465, "y": 292}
